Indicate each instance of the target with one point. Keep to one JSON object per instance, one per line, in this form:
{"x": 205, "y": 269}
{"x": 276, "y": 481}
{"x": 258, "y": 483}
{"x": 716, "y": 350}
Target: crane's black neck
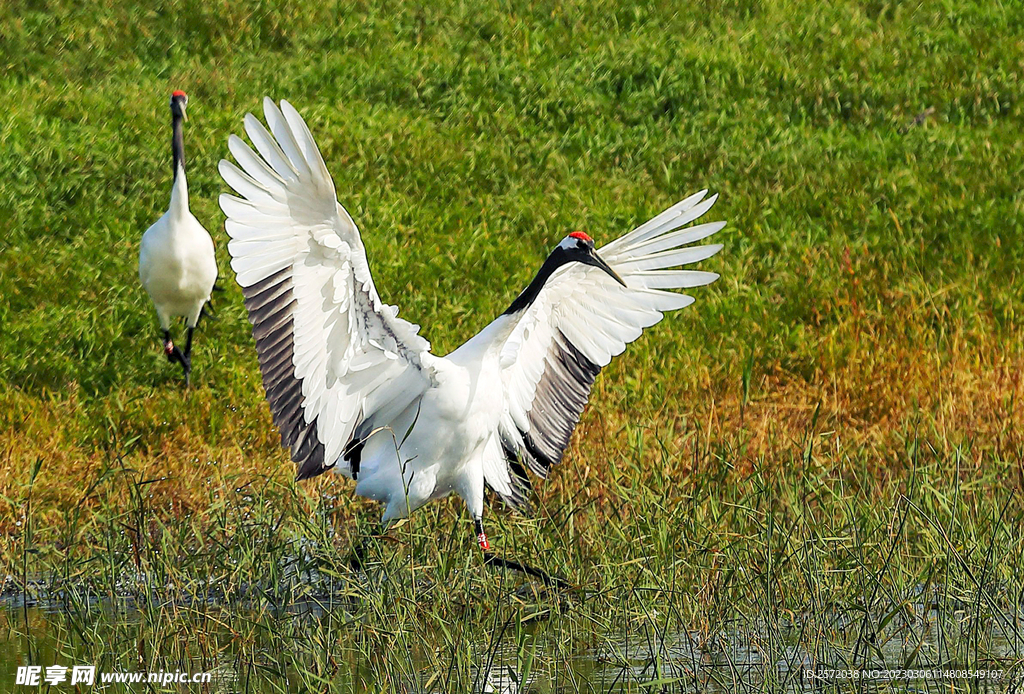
{"x": 177, "y": 140}
{"x": 557, "y": 259}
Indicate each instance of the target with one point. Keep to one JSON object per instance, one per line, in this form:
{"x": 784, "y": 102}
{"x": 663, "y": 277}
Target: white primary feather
{"x": 334, "y": 356}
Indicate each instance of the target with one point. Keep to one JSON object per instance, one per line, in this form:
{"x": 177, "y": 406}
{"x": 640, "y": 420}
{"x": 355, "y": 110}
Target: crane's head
{"x": 179, "y": 100}
{"x": 578, "y": 247}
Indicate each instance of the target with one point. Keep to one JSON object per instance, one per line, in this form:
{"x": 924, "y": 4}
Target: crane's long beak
{"x": 597, "y": 261}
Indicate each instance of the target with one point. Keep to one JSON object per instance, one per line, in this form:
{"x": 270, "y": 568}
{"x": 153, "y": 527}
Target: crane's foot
{"x": 494, "y": 560}
{"x": 172, "y": 351}
{"x": 544, "y": 577}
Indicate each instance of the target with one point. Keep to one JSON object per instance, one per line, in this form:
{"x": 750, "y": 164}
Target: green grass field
{"x": 832, "y": 429}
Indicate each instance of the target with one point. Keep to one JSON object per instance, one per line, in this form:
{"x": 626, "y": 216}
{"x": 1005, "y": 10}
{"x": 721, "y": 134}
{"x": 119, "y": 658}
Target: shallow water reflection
{"x": 744, "y": 656}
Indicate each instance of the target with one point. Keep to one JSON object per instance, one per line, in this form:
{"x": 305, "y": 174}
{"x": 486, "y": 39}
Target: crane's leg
{"x": 368, "y": 530}
{"x": 186, "y": 361}
{"x": 496, "y": 561}
{"x": 188, "y": 343}
{"x": 481, "y": 536}
{"x": 471, "y": 488}
{"x": 360, "y": 549}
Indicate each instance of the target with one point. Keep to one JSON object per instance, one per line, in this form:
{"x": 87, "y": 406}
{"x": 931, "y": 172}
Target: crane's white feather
{"x": 177, "y": 263}
{"x": 581, "y": 319}
{"x": 336, "y": 361}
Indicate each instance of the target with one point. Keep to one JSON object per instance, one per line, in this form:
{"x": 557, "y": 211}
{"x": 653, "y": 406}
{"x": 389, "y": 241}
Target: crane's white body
{"x": 449, "y": 439}
{"x": 355, "y": 388}
{"x": 177, "y": 263}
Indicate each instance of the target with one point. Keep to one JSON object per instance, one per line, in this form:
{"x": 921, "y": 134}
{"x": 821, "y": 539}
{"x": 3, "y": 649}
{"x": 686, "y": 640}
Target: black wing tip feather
{"x": 269, "y": 303}
{"x": 522, "y": 490}
{"x": 559, "y": 400}
{"x": 313, "y": 464}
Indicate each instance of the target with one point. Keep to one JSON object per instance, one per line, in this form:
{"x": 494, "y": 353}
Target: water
{"x": 746, "y": 655}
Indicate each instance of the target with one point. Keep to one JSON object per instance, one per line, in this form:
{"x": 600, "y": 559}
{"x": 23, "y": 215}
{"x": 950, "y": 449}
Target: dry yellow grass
{"x": 888, "y": 386}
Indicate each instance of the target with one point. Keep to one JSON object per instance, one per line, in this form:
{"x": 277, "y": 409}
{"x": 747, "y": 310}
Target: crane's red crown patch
{"x": 178, "y": 92}
{"x": 580, "y": 235}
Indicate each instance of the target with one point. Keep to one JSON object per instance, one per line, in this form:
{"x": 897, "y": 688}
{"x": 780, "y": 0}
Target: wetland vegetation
{"x": 818, "y": 463}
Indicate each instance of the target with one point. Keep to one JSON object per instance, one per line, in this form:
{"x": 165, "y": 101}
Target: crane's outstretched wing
{"x": 581, "y": 319}
{"x": 336, "y": 361}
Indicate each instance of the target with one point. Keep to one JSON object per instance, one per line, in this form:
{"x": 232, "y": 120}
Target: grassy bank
{"x": 700, "y": 580}
{"x": 833, "y": 428}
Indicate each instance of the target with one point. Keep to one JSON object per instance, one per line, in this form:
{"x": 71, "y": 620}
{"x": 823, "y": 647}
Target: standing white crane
{"x": 353, "y": 387}
{"x": 177, "y": 264}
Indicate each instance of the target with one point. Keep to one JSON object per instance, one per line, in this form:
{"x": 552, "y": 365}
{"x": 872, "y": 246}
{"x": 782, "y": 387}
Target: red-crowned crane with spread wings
{"x": 353, "y": 388}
